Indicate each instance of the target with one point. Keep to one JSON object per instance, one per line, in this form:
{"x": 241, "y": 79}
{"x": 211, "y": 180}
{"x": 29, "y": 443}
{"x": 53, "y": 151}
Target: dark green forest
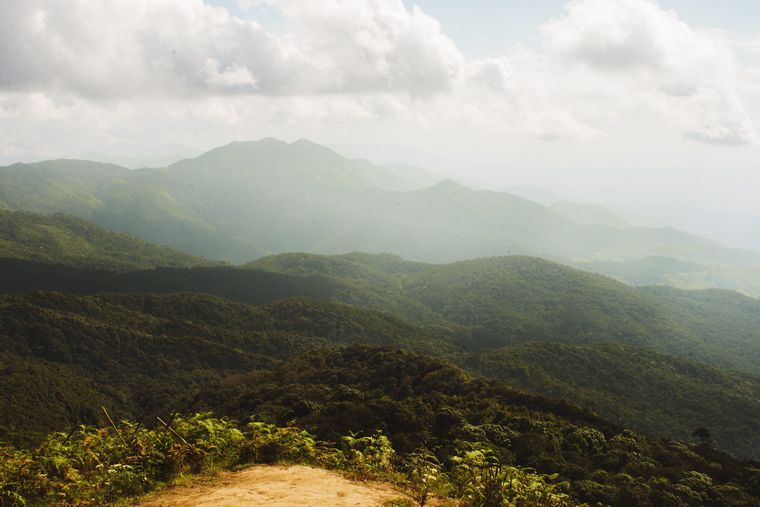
{"x": 617, "y": 395}
{"x": 141, "y": 353}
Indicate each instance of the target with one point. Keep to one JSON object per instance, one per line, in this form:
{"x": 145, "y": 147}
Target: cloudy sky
{"x": 652, "y": 108}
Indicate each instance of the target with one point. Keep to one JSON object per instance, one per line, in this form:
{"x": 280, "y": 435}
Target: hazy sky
{"x": 637, "y": 104}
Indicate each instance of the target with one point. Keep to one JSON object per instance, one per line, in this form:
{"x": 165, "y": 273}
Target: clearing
{"x": 278, "y": 486}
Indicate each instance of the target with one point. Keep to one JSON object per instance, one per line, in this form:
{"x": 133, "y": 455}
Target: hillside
{"x": 589, "y": 214}
{"x": 244, "y": 200}
{"x": 506, "y": 300}
{"x": 659, "y": 394}
{"x": 486, "y": 302}
{"x": 418, "y": 402}
{"x": 137, "y": 353}
{"x": 383, "y": 413}
{"x": 68, "y": 240}
{"x": 62, "y": 356}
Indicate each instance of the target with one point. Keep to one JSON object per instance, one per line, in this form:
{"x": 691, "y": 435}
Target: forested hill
{"x": 244, "y": 200}
{"x": 141, "y": 356}
{"x": 506, "y": 300}
{"x": 66, "y": 239}
{"x": 497, "y": 301}
{"x": 421, "y": 402}
{"x": 63, "y": 355}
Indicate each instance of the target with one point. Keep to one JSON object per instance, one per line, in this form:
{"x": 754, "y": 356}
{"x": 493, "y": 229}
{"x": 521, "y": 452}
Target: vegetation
{"x": 494, "y": 302}
{"x": 142, "y": 354}
{"x": 244, "y": 200}
{"x": 507, "y": 300}
{"x": 603, "y": 362}
{"x": 639, "y": 388}
{"x": 433, "y": 412}
{"x": 380, "y": 413}
{"x": 66, "y": 239}
{"x": 96, "y": 466}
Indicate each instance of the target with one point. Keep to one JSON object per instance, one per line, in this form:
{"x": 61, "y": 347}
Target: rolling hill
{"x": 244, "y": 200}
{"x": 499, "y": 317}
{"x": 62, "y": 356}
{"x": 68, "y": 240}
{"x": 486, "y": 303}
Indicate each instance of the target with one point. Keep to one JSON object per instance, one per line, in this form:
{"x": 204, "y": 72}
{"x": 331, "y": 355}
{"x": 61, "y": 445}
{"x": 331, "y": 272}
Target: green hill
{"x": 507, "y": 300}
{"x": 244, "y": 200}
{"x": 487, "y": 302}
{"x": 66, "y": 239}
{"x": 383, "y": 413}
{"x": 660, "y": 394}
{"x": 142, "y": 353}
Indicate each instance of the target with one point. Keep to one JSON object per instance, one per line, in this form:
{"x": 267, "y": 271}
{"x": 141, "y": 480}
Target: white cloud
{"x": 119, "y": 68}
{"x": 656, "y": 57}
{"x": 115, "y": 48}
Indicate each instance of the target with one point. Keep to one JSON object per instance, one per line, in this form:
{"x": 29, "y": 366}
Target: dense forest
{"x": 535, "y": 365}
{"x": 497, "y": 301}
{"x": 141, "y": 353}
{"x": 429, "y": 411}
{"x": 66, "y": 239}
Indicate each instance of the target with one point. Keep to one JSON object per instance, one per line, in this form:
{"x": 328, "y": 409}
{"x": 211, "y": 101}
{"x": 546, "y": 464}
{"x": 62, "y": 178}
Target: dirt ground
{"x": 277, "y": 486}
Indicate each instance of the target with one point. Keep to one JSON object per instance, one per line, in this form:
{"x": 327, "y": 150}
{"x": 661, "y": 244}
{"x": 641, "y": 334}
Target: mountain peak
{"x": 449, "y": 186}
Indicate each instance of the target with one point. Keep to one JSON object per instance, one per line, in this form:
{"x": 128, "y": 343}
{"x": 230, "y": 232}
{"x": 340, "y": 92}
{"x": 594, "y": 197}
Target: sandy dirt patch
{"x": 278, "y": 486}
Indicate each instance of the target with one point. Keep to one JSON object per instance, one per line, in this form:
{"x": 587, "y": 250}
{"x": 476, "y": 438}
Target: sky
{"x": 651, "y": 108}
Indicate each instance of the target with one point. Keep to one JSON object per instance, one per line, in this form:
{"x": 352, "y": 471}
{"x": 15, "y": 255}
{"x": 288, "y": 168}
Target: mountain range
{"x": 246, "y": 200}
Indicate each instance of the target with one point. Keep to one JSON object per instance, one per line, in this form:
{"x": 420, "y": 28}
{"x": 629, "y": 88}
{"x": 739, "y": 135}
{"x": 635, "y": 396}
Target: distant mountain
{"x": 589, "y": 214}
{"x": 653, "y": 270}
{"x": 660, "y": 270}
{"x": 241, "y": 201}
{"x": 411, "y": 177}
{"x": 534, "y": 193}
{"x": 66, "y": 239}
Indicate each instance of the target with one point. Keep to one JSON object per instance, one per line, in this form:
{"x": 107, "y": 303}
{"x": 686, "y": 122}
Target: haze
{"x": 648, "y": 108}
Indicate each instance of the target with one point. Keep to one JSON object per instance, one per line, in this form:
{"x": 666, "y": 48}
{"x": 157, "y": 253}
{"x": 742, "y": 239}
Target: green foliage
{"x": 269, "y": 444}
{"x": 426, "y": 476}
{"x": 66, "y": 239}
{"x": 482, "y": 481}
{"x": 143, "y": 353}
{"x": 62, "y": 355}
{"x": 92, "y": 466}
{"x": 97, "y": 466}
{"x": 369, "y": 455}
{"x": 660, "y": 394}
{"x": 416, "y": 401}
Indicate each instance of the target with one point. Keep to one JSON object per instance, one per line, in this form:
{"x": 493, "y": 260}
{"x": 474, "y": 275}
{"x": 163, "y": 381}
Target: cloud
{"x": 116, "y": 48}
{"x": 192, "y": 67}
{"x": 655, "y": 56}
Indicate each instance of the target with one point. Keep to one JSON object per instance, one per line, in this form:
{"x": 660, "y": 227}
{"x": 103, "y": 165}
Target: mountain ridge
{"x": 245, "y": 200}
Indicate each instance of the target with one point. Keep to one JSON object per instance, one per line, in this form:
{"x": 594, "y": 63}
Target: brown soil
{"x": 278, "y": 486}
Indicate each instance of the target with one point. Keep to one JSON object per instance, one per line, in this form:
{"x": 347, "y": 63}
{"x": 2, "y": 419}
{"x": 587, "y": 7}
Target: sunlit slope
{"x": 506, "y": 300}
{"x": 66, "y": 239}
{"x": 486, "y": 303}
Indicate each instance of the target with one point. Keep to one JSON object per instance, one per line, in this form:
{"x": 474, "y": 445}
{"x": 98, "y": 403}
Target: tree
{"x": 702, "y": 434}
